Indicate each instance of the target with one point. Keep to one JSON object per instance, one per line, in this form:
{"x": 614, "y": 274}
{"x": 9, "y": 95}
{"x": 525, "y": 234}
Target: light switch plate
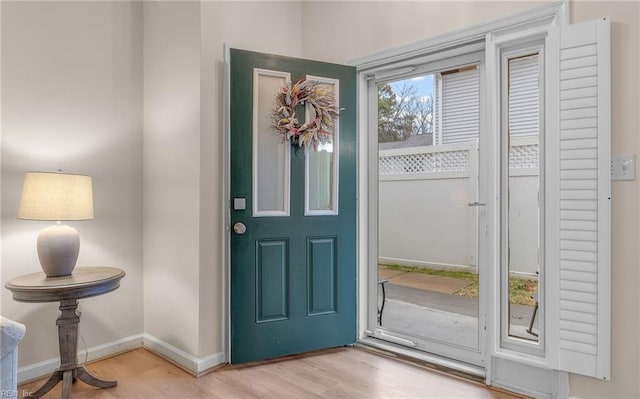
{"x": 239, "y": 204}
{"x": 623, "y": 167}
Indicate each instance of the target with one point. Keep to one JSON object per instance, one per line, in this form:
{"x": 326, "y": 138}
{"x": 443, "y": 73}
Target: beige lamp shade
{"x": 56, "y": 196}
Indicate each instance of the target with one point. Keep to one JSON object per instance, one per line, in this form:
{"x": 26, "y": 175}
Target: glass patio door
{"x": 428, "y": 208}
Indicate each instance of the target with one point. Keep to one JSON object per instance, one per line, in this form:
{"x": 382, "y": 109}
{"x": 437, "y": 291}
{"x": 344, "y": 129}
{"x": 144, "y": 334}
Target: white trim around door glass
{"x": 331, "y": 148}
{"x": 282, "y": 203}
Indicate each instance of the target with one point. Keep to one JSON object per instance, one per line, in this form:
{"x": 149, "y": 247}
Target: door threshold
{"x": 433, "y": 362}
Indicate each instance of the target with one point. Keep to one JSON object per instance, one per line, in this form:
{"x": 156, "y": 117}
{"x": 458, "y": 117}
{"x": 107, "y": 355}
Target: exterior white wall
{"x": 523, "y": 225}
{"x": 426, "y": 222}
{"x": 72, "y": 99}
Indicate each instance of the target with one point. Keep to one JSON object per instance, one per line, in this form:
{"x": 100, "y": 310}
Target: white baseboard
{"x": 37, "y": 370}
{"x": 182, "y": 358}
{"x": 191, "y": 363}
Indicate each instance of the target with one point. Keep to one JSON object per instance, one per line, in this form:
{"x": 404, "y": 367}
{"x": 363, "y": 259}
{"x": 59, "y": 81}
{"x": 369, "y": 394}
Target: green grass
{"x": 520, "y": 290}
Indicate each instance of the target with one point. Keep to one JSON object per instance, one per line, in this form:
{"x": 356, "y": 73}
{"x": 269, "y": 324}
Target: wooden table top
{"x": 84, "y": 282}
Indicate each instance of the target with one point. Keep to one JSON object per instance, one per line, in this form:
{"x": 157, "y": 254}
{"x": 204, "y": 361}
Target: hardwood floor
{"x": 334, "y": 373}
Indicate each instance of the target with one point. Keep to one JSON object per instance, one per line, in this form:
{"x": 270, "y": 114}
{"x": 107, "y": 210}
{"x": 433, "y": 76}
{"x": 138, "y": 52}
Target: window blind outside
{"x": 460, "y": 102}
{"x": 437, "y": 110}
{"x": 524, "y": 96}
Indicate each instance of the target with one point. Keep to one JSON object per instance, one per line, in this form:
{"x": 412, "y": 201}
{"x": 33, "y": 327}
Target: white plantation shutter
{"x": 524, "y": 104}
{"x": 578, "y": 205}
{"x": 460, "y": 114}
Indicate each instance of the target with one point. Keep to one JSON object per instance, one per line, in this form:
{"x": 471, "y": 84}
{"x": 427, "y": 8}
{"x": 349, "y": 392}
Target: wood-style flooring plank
{"x": 334, "y": 373}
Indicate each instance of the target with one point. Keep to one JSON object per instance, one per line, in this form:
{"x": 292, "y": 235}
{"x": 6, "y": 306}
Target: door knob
{"x": 239, "y": 228}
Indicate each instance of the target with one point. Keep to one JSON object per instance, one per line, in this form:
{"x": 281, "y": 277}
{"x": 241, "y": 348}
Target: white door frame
{"x": 404, "y": 58}
{"x": 473, "y": 358}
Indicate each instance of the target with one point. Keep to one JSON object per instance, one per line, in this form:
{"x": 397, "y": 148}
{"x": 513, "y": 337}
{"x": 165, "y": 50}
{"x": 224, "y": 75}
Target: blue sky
{"x": 423, "y": 84}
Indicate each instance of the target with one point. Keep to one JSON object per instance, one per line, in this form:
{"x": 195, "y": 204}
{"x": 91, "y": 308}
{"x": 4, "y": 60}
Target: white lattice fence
{"x": 431, "y": 159}
{"x": 524, "y": 154}
{"x": 451, "y": 158}
{"x": 452, "y": 161}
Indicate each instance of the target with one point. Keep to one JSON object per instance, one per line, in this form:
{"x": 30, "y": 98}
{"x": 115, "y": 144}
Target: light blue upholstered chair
{"x": 11, "y": 333}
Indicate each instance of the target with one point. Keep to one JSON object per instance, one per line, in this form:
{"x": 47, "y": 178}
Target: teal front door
{"x": 292, "y": 213}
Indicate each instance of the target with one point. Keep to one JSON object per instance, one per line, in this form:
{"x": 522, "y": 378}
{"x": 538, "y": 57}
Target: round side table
{"x": 85, "y": 282}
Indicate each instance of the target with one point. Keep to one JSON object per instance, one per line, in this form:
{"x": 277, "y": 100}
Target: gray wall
{"x": 72, "y": 100}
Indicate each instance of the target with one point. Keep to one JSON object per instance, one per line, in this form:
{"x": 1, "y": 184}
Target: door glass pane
{"x": 320, "y": 180}
{"x": 428, "y": 213}
{"x": 271, "y": 165}
{"x": 321, "y": 183}
{"x": 523, "y": 231}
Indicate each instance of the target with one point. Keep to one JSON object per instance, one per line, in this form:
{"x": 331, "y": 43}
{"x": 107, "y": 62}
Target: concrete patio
{"x": 427, "y": 308}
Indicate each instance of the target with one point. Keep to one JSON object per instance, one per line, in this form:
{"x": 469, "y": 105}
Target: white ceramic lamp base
{"x": 58, "y": 248}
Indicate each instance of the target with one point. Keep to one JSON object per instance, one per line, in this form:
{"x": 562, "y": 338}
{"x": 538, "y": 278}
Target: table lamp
{"x": 59, "y": 197}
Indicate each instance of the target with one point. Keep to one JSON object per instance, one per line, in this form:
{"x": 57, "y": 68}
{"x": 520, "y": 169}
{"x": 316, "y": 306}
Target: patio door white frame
{"x": 472, "y": 357}
{"x": 498, "y": 367}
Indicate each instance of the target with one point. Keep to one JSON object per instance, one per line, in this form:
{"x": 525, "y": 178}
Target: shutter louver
{"x": 460, "y": 106}
{"x": 579, "y": 328}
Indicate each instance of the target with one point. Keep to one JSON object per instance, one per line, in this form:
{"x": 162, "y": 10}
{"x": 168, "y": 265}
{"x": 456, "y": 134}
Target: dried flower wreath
{"x": 319, "y": 129}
